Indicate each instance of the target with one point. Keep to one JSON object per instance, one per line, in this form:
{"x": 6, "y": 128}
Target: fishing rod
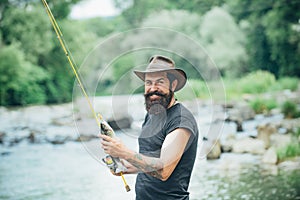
{"x": 99, "y": 119}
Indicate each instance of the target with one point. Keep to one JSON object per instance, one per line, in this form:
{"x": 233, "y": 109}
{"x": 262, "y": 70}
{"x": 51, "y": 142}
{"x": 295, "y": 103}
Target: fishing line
{"x": 73, "y": 66}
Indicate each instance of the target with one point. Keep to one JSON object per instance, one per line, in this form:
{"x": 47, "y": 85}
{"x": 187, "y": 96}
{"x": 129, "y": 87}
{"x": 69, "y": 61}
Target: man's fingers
{"x": 105, "y": 137}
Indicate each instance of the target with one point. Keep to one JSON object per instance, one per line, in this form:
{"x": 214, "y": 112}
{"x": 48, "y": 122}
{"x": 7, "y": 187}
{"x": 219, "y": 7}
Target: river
{"x": 46, "y": 171}
{"x": 42, "y": 170}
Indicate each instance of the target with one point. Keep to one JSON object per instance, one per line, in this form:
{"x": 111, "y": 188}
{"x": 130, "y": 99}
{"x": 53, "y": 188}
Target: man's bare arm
{"x": 161, "y": 168}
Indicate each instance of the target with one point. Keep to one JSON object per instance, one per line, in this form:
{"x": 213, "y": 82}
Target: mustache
{"x": 154, "y": 93}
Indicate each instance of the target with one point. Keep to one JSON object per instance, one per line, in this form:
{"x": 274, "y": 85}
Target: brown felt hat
{"x": 160, "y": 63}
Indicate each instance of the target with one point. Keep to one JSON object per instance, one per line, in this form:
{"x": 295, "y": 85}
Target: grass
{"x": 289, "y": 109}
{"x": 255, "y": 83}
{"x": 289, "y": 151}
{"x": 263, "y": 106}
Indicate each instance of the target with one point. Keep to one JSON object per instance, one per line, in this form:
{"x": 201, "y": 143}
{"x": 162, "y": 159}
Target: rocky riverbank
{"x": 225, "y": 128}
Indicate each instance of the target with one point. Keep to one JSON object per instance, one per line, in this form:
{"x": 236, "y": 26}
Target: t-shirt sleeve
{"x": 182, "y": 122}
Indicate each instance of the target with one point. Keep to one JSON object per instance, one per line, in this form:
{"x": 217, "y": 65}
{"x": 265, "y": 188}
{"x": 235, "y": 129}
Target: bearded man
{"x": 168, "y": 140}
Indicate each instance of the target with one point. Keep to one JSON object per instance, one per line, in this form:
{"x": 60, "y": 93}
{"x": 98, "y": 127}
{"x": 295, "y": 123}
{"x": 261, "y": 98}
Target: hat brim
{"x": 179, "y": 74}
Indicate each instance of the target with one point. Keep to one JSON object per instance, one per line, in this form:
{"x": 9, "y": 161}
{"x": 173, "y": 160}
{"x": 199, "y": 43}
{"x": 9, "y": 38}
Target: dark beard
{"x": 157, "y": 106}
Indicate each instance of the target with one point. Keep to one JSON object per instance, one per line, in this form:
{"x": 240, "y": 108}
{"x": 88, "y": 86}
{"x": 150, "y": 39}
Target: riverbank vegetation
{"x": 255, "y": 46}
{"x": 292, "y": 149}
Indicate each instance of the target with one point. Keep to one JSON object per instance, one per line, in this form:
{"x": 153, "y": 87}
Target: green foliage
{"x": 29, "y": 27}
{"x": 224, "y": 41}
{"x": 289, "y": 109}
{"x": 256, "y": 82}
{"x": 241, "y": 37}
{"x": 270, "y": 31}
{"x": 134, "y": 12}
{"x": 262, "y": 106}
{"x": 61, "y": 8}
{"x": 273, "y": 34}
{"x": 122, "y": 66}
{"x": 194, "y": 89}
{"x": 122, "y": 74}
{"x": 21, "y": 82}
{"x": 41, "y": 72}
{"x": 102, "y": 26}
{"x": 79, "y": 40}
{"x": 176, "y": 20}
{"x": 289, "y": 151}
{"x": 297, "y": 133}
{"x": 290, "y": 83}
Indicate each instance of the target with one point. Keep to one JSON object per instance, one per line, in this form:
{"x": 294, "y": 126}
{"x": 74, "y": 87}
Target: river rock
{"x": 63, "y": 121}
{"x": 249, "y": 145}
{"x": 215, "y": 152}
{"x": 85, "y": 138}
{"x": 279, "y": 140}
{"x": 264, "y": 132}
{"x": 36, "y": 137}
{"x": 119, "y": 123}
{"x": 240, "y": 112}
{"x": 2, "y": 135}
{"x": 293, "y": 164}
{"x": 211, "y": 149}
{"x": 227, "y": 143}
{"x": 58, "y": 139}
{"x": 270, "y": 156}
{"x": 290, "y": 125}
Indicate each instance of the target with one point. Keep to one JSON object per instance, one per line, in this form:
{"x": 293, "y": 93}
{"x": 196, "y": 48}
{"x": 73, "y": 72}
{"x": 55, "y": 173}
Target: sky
{"x": 93, "y": 8}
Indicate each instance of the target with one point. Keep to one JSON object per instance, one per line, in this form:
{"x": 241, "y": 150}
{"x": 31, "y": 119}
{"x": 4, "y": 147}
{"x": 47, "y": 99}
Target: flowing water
{"x": 42, "y": 171}
{"x": 45, "y": 171}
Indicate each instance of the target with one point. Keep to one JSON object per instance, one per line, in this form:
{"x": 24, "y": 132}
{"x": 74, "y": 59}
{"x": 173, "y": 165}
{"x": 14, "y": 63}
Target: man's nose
{"x": 153, "y": 87}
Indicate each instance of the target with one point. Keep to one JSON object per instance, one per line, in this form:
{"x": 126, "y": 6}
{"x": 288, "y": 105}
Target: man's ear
{"x": 174, "y": 85}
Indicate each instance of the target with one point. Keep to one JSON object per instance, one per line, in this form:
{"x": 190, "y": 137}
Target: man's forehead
{"x": 155, "y": 75}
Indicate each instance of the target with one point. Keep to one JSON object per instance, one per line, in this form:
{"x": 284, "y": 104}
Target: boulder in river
{"x": 2, "y": 135}
{"x": 240, "y": 112}
{"x": 119, "y": 123}
{"x": 270, "y": 156}
{"x": 227, "y": 143}
{"x": 85, "y": 138}
{"x": 264, "y": 133}
{"x": 279, "y": 140}
{"x": 58, "y": 139}
{"x": 249, "y": 145}
{"x": 211, "y": 149}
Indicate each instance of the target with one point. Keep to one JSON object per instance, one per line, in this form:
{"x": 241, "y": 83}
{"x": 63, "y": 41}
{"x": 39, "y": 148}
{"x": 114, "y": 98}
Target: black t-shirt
{"x": 155, "y": 129}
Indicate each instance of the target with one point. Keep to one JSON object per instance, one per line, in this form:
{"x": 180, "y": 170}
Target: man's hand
{"x": 113, "y": 146}
{"x": 130, "y": 169}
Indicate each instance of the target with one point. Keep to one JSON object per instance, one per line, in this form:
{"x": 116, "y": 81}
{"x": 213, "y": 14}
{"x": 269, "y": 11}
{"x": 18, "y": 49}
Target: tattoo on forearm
{"x": 151, "y": 166}
{"x": 138, "y": 156}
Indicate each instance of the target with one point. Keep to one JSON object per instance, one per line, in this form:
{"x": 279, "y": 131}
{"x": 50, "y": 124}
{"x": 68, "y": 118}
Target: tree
{"x": 135, "y": 11}
{"x": 21, "y": 82}
{"x": 224, "y": 41}
{"x": 26, "y": 28}
{"x": 61, "y": 85}
{"x": 40, "y": 72}
{"x": 273, "y": 36}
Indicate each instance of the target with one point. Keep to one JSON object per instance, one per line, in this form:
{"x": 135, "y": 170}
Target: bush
{"x": 263, "y": 105}
{"x": 297, "y": 133}
{"x": 285, "y": 83}
{"x": 289, "y": 109}
{"x": 257, "y": 82}
{"x": 289, "y": 151}
{"x": 288, "y": 83}
{"x": 21, "y": 81}
{"x": 194, "y": 89}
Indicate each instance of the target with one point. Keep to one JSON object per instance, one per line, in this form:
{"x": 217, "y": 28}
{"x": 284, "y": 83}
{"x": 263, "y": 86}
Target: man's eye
{"x": 161, "y": 82}
{"x": 148, "y": 82}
